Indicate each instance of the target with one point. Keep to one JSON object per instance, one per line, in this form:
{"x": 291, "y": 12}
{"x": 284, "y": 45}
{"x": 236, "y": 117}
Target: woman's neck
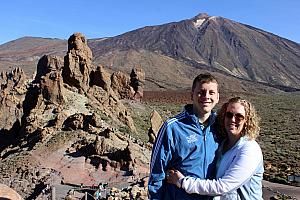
{"x": 230, "y": 142}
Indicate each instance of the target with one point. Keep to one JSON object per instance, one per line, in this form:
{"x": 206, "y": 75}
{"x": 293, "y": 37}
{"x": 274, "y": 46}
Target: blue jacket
{"x": 184, "y": 144}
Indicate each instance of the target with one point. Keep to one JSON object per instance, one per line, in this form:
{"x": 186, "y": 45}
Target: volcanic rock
{"x": 137, "y": 81}
{"x": 8, "y": 193}
{"x": 120, "y": 83}
{"x": 156, "y": 123}
{"x": 77, "y": 62}
{"x": 12, "y": 94}
{"x": 49, "y": 76}
{"x": 101, "y": 78}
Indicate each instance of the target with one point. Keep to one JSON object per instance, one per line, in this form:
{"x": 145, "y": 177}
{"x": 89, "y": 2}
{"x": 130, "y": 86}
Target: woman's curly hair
{"x": 251, "y": 127}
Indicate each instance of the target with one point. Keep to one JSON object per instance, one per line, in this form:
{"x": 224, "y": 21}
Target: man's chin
{"x": 206, "y": 109}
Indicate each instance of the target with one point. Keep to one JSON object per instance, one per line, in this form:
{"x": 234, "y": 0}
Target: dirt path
{"x": 271, "y": 189}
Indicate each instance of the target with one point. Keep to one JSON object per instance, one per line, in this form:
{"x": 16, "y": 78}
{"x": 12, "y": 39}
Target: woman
{"x": 240, "y": 161}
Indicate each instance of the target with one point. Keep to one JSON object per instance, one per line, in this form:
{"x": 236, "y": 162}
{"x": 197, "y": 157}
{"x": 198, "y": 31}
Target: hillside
{"x": 236, "y": 53}
{"x": 206, "y": 43}
{"x": 66, "y": 122}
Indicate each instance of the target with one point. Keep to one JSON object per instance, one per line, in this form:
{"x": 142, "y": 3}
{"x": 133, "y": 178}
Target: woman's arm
{"x": 241, "y": 169}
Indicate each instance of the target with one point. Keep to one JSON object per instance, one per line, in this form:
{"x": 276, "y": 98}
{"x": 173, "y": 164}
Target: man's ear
{"x": 218, "y": 97}
{"x": 192, "y": 95}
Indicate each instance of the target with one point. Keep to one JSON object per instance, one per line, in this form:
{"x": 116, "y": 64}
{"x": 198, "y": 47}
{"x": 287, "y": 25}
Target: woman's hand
{"x": 174, "y": 176}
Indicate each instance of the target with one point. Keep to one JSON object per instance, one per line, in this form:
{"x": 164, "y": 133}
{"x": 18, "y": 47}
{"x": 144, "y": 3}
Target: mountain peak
{"x": 201, "y": 16}
{"x": 199, "y": 19}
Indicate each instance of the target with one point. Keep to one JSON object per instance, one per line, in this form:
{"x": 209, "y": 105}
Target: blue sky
{"x": 107, "y": 18}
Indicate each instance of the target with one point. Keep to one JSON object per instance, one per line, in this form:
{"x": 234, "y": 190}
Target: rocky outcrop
{"x": 44, "y": 98}
{"x": 137, "y": 81}
{"x": 112, "y": 149}
{"x": 65, "y": 99}
{"x": 105, "y": 92}
{"x": 13, "y": 89}
{"x": 8, "y": 193}
{"x": 60, "y": 93}
{"x": 79, "y": 121}
{"x": 156, "y": 122}
{"x": 74, "y": 122}
{"x": 77, "y": 62}
{"x": 120, "y": 83}
{"x": 100, "y": 77}
{"x": 50, "y": 79}
{"x": 49, "y": 94}
{"x": 111, "y": 105}
{"x": 124, "y": 86}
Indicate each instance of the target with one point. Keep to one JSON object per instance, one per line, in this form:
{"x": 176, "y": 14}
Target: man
{"x": 186, "y": 142}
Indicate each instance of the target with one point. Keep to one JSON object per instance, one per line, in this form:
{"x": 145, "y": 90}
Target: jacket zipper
{"x": 204, "y": 160}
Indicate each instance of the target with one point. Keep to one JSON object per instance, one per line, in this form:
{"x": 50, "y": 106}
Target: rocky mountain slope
{"x": 234, "y": 52}
{"x": 212, "y": 43}
{"x": 69, "y": 126}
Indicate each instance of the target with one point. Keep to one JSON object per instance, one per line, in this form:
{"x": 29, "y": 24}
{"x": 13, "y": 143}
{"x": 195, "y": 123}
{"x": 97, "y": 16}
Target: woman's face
{"x": 234, "y": 120}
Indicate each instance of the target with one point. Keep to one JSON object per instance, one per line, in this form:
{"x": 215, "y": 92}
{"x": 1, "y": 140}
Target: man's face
{"x": 205, "y": 96}
{"x": 234, "y": 120}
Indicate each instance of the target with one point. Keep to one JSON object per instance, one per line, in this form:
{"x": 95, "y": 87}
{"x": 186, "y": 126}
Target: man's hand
{"x": 174, "y": 176}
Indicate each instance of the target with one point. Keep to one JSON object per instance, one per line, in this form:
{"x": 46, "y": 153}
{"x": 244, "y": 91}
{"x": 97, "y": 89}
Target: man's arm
{"x": 161, "y": 156}
{"x": 241, "y": 170}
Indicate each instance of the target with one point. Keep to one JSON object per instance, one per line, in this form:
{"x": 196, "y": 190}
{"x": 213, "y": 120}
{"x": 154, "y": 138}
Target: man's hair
{"x": 203, "y": 78}
{"x": 251, "y": 128}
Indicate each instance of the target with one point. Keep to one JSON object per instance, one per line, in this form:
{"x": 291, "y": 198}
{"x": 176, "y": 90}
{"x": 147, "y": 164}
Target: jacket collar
{"x": 188, "y": 110}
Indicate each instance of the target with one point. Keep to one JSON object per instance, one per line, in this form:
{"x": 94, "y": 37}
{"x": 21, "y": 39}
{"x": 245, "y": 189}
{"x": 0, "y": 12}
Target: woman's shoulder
{"x": 248, "y": 144}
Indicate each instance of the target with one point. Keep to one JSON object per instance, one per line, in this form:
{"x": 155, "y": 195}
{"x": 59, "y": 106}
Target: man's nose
{"x": 206, "y": 94}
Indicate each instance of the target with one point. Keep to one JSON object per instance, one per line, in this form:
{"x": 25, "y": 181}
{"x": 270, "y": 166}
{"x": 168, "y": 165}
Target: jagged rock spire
{"x": 49, "y": 76}
{"x": 78, "y": 62}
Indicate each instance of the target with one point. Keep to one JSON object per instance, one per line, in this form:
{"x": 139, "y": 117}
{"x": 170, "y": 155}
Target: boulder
{"x": 100, "y": 78}
{"x": 137, "y": 82}
{"x": 156, "y": 122}
{"x": 8, "y": 193}
{"x": 120, "y": 83}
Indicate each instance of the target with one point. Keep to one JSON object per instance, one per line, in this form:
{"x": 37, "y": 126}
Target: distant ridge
{"x": 216, "y": 44}
{"x": 182, "y": 50}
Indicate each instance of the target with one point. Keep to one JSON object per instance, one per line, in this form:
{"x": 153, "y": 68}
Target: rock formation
{"x": 8, "y": 193}
{"x": 156, "y": 123}
{"x": 69, "y": 98}
{"x": 137, "y": 81}
{"x": 120, "y": 83}
{"x": 49, "y": 76}
{"x": 78, "y": 62}
{"x": 50, "y": 97}
{"x": 106, "y": 90}
{"x": 101, "y": 78}
{"x": 12, "y": 93}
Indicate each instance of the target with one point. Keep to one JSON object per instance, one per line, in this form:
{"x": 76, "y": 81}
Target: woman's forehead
{"x": 236, "y": 107}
